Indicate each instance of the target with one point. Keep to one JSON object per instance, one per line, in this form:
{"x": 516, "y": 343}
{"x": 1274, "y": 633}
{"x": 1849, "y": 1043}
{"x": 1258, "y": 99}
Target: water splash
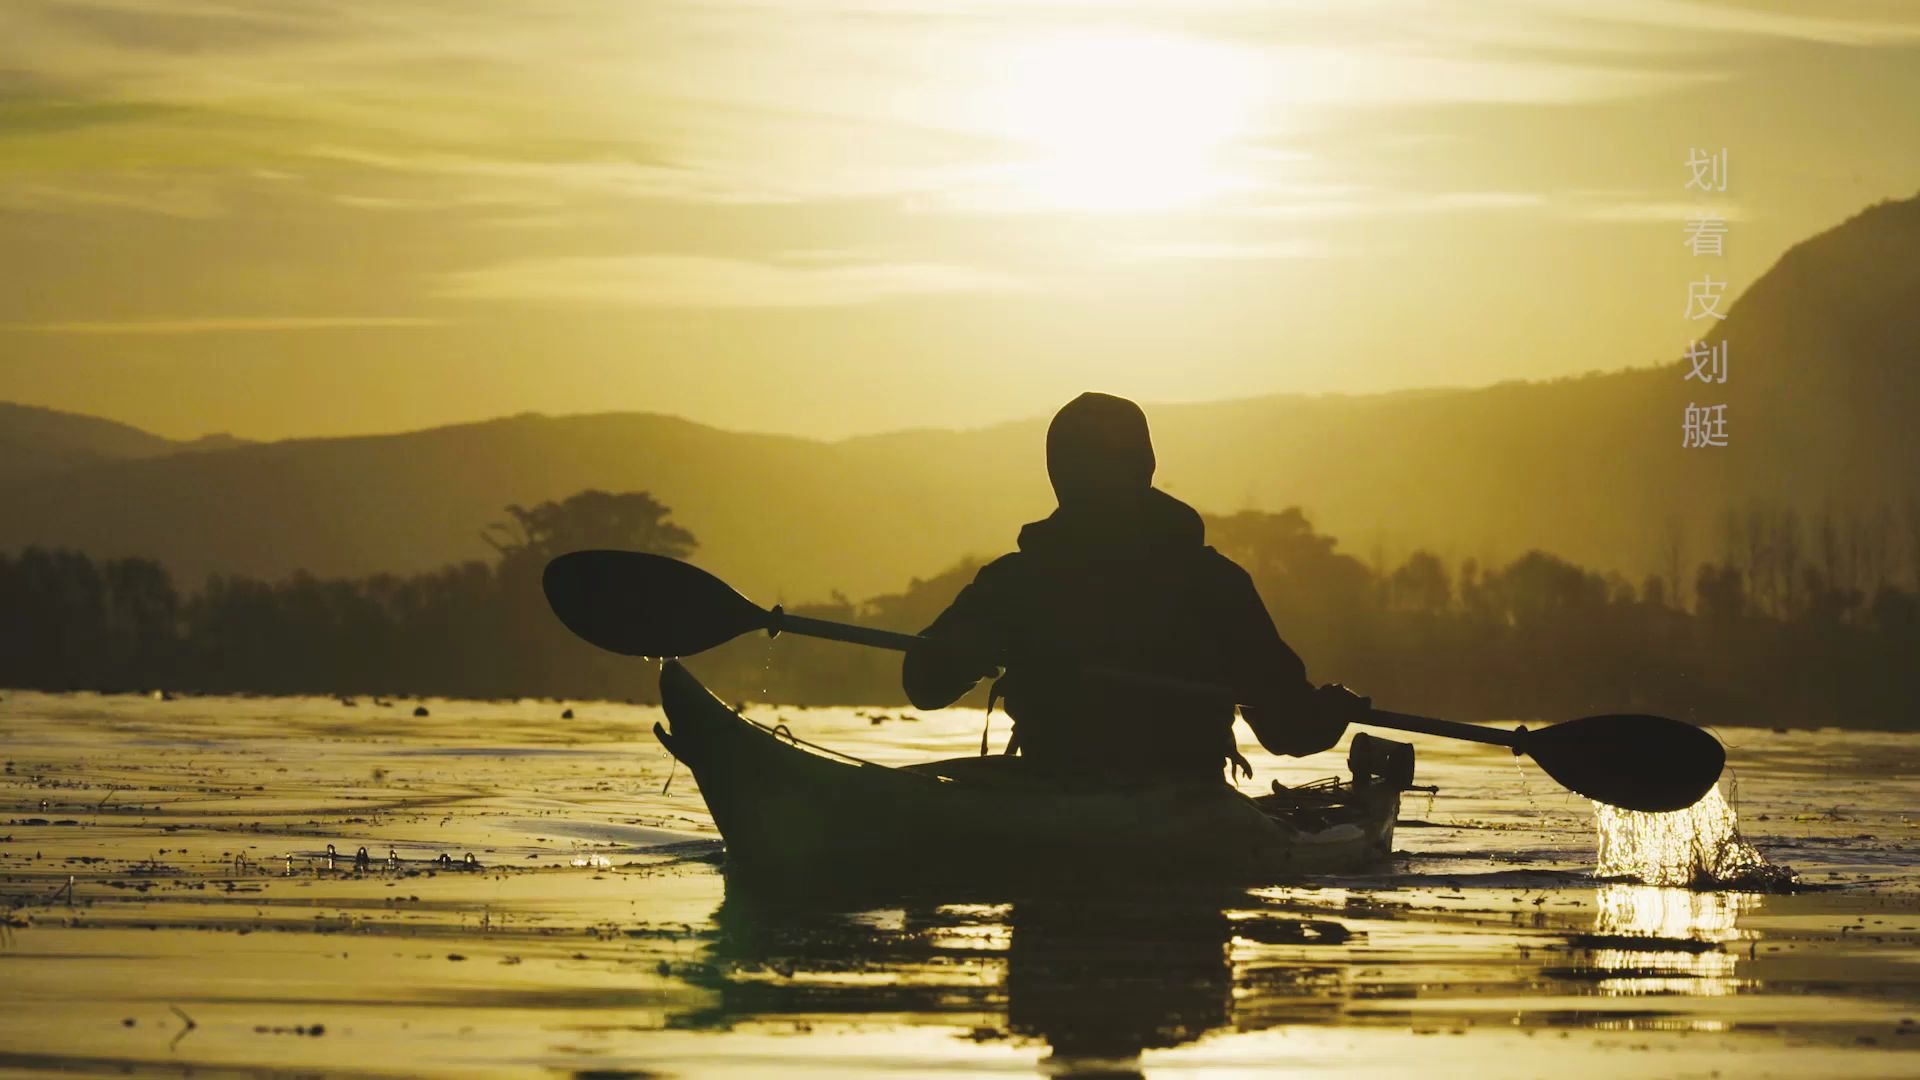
{"x": 1697, "y": 848}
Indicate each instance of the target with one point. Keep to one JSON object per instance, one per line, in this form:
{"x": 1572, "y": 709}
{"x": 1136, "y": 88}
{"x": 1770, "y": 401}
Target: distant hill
{"x": 38, "y": 442}
{"x": 35, "y": 441}
{"x": 791, "y": 516}
{"x": 1822, "y": 402}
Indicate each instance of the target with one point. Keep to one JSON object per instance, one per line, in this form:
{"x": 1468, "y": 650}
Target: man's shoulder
{"x": 997, "y": 575}
{"x": 1223, "y": 567}
{"x": 1004, "y": 568}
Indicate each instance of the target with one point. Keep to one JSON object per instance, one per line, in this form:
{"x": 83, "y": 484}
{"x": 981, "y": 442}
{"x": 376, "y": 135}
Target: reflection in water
{"x": 1670, "y": 913}
{"x": 1099, "y": 980}
{"x": 626, "y": 969}
{"x": 1102, "y": 982}
{"x": 1700, "y": 847}
{"x": 1685, "y": 940}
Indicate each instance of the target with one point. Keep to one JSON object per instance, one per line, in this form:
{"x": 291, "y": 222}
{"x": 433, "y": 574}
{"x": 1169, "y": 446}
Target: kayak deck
{"x": 792, "y": 816}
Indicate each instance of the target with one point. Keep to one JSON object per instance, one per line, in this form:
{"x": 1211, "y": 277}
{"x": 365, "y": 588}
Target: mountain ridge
{"x": 1823, "y": 388}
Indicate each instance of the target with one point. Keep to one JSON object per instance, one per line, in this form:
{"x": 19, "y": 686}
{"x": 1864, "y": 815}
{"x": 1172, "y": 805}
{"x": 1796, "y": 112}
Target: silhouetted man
{"x": 1120, "y": 576}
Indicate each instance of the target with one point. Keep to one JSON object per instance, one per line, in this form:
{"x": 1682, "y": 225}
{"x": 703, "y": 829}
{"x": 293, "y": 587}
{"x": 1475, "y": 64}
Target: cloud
{"x": 66, "y": 192}
{"x": 1331, "y": 203}
{"x": 243, "y": 324}
{"x": 25, "y": 116}
{"x": 1834, "y": 22}
{"x": 703, "y": 282}
{"x": 508, "y": 181}
{"x": 1230, "y": 250}
{"x": 772, "y": 101}
{"x": 674, "y": 100}
{"x": 1623, "y": 205}
{"x": 1636, "y": 210}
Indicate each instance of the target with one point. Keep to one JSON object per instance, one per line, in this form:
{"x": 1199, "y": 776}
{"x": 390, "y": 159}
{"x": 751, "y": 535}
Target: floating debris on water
{"x": 297, "y": 1029}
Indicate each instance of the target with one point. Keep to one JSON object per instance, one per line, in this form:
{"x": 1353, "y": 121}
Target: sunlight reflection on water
{"x": 1669, "y": 914}
{"x": 595, "y": 934}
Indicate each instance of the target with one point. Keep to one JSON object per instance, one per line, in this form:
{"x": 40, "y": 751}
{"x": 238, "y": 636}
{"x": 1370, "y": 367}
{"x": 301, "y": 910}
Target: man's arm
{"x": 1284, "y": 710}
{"x": 963, "y": 644}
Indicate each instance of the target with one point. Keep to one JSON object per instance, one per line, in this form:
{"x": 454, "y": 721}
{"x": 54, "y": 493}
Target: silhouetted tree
{"x": 1422, "y": 585}
{"x": 1820, "y": 643}
{"x": 1721, "y": 593}
{"x": 630, "y": 521}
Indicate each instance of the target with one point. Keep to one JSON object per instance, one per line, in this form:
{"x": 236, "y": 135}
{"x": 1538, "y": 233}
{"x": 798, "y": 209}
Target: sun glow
{"x": 1123, "y": 121}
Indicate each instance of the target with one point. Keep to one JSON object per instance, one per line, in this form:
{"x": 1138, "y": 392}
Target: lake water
{"x": 173, "y": 909}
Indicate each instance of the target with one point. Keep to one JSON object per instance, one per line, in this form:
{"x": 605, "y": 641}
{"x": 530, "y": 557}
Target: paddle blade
{"x": 1632, "y": 761}
{"x": 637, "y": 604}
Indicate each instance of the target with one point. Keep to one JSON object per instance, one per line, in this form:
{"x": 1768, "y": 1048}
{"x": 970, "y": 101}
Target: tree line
{"x": 1797, "y": 623}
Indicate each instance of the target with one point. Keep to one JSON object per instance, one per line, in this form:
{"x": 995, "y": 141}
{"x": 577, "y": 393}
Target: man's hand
{"x": 1308, "y": 724}
{"x": 1335, "y": 700}
{"x": 938, "y": 670}
{"x": 961, "y": 656}
{"x": 1333, "y": 708}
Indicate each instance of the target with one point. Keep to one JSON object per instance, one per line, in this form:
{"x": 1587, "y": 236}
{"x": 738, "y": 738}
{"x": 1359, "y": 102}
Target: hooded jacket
{"x": 1118, "y": 576}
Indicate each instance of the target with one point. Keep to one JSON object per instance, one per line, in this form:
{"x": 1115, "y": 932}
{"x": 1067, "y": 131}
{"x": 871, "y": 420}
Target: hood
{"x": 1099, "y": 449}
{"x": 1149, "y": 522}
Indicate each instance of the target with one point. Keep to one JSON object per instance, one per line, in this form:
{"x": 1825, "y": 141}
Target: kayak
{"x": 795, "y": 815}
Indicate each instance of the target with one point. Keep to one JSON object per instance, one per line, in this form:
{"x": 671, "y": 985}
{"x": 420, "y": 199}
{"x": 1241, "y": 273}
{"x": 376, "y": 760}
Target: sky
{"x": 350, "y": 216}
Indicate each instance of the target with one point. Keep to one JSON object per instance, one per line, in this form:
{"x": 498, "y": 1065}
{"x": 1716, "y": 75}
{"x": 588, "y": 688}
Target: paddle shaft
{"x": 779, "y": 622}
{"x": 1446, "y": 729}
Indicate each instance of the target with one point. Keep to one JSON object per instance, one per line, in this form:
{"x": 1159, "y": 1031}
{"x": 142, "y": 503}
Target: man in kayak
{"x": 1120, "y": 576}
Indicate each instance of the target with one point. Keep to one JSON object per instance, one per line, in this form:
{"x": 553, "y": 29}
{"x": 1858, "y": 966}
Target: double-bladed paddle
{"x": 638, "y": 604}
